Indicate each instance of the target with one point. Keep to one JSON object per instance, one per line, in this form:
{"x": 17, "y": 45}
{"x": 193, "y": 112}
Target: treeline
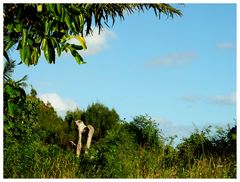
{"x": 36, "y": 144}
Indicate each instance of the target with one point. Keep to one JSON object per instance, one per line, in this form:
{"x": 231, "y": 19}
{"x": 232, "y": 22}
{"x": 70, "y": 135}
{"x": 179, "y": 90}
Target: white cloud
{"x": 225, "y": 45}
{"x": 174, "y": 59}
{"x": 229, "y": 99}
{"x": 96, "y": 42}
{"x": 59, "y": 104}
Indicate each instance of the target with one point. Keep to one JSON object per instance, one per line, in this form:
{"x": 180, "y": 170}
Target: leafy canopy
{"x": 36, "y": 28}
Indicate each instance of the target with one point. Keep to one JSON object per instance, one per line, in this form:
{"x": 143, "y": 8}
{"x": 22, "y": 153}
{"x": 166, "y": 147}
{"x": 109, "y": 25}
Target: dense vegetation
{"x": 36, "y": 143}
{"x": 36, "y": 139}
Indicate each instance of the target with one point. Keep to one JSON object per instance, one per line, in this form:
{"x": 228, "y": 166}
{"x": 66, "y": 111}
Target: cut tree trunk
{"x": 81, "y": 126}
{"x": 90, "y": 134}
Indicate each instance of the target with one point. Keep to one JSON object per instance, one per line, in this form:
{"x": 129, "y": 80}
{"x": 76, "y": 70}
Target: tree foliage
{"x": 101, "y": 117}
{"x": 146, "y": 131}
{"x": 14, "y": 94}
{"x": 72, "y": 131}
{"x": 48, "y": 27}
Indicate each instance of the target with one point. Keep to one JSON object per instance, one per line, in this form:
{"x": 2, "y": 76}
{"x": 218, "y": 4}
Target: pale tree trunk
{"x": 81, "y": 126}
{"x": 79, "y": 145}
{"x": 90, "y": 134}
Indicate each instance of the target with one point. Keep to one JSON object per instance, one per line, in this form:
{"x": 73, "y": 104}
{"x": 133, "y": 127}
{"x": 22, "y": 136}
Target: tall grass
{"x": 57, "y": 163}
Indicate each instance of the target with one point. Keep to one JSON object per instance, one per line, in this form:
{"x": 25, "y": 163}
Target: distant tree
{"x": 52, "y": 128}
{"x": 101, "y": 118}
{"x": 72, "y": 116}
{"x": 33, "y": 92}
{"x": 48, "y": 27}
{"x": 146, "y": 131}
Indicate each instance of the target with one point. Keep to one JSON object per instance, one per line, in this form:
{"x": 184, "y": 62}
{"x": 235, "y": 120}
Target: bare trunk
{"x": 79, "y": 145}
{"x": 81, "y": 127}
{"x": 90, "y": 134}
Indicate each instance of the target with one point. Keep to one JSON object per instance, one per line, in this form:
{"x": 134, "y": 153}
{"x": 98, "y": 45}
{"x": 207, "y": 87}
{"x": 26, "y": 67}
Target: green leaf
{"x": 9, "y": 45}
{"x": 82, "y": 41}
{"x": 24, "y": 37}
{"x": 46, "y": 51}
{"x": 81, "y": 20}
{"x": 35, "y": 56}
{"x": 23, "y": 53}
{"x": 59, "y": 50}
{"x": 27, "y": 59}
{"x": 51, "y": 7}
{"x": 49, "y": 52}
{"x": 10, "y": 27}
{"x": 68, "y": 21}
{"x": 77, "y": 57}
{"x": 62, "y": 14}
{"x": 18, "y": 28}
{"x": 39, "y": 8}
{"x": 74, "y": 26}
{"x": 48, "y": 26}
{"x": 38, "y": 40}
{"x": 77, "y": 47}
{"x": 29, "y": 42}
{"x": 44, "y": 41}
{"x": 59, "y": 9}
{"x": 56, "y": 45}
{"x": 77, "y": 24}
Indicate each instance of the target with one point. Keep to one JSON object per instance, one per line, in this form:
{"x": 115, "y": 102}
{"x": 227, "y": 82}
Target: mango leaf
{"x": 29, "y": 41}
{"x": 77, "y": 57}
{"x": 56, "y": 45}
{"x": 24, "y": 37}
{"x": 82, "y": 41}
{"x": 76, "y": 47}
{"x": 9, "y": 45}
{"x": 68, "y": 22}
{"x": 27, "y": 59}
{"x": 62, "y": 14}
{"x": 48, "y": 26}
{"x": 59, "y": 9}
{"x": 18, "y": 28}
{"x": 39, "y": 8}
{"x": 44, "y": 41}
{"x": 46, "y": 51}
{"x": 23, "y": 53}
{"x": 34, "y": 56}
{"x": 49, "y": 52}
{"x": 52, "y": 55}
{"x": 81, "y": 20}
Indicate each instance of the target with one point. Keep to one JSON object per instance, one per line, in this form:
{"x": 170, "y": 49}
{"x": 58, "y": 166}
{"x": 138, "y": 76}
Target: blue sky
{"x": 180, "y": 71}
